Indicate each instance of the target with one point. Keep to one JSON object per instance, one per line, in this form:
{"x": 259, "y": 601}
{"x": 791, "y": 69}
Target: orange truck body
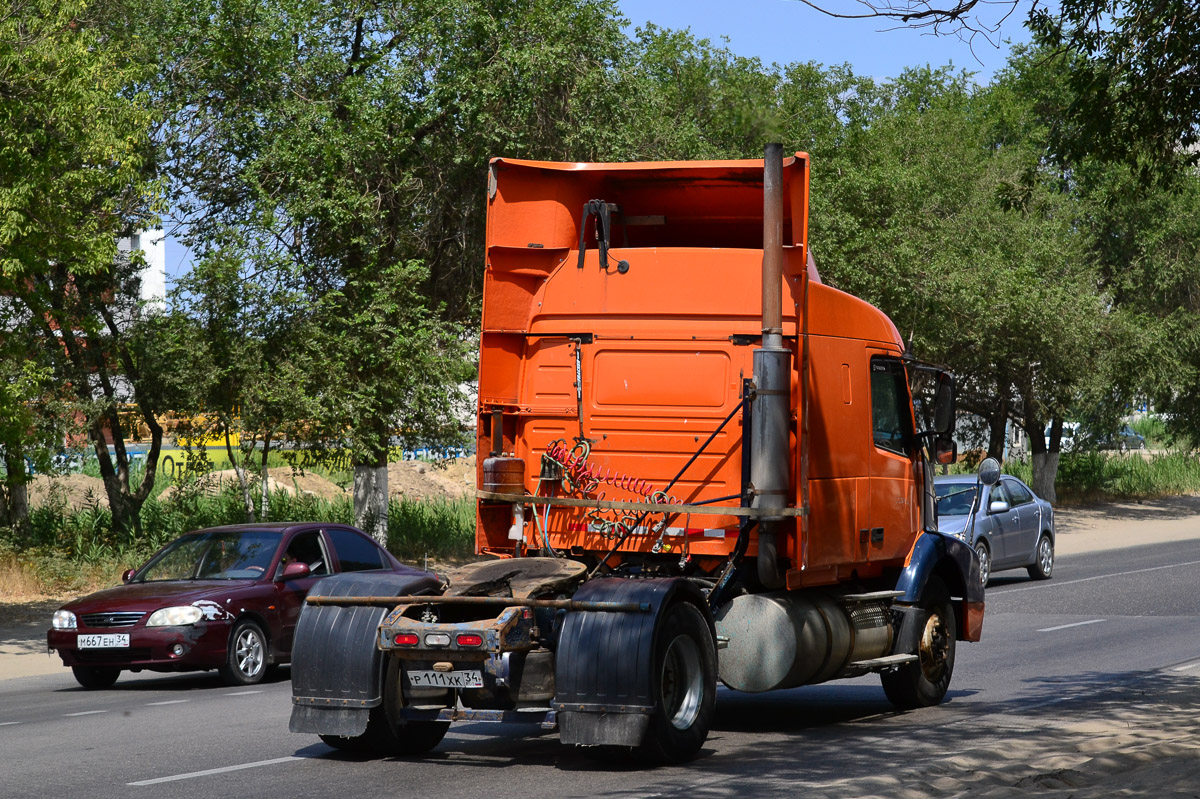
{"x": 663, "y": 349}
{"x": 698, "y": 463}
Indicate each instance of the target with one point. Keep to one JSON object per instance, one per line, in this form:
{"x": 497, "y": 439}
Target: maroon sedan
{"x": 226, "y": 598}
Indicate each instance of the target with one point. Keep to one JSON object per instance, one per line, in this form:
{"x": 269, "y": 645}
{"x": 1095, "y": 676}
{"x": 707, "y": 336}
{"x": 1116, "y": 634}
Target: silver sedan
{"x": 1013, "y": 528}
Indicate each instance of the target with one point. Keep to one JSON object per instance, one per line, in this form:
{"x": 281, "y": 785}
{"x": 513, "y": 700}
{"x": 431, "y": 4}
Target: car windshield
{"x": 954, "y": 499}
{"x": 213, "y": 556}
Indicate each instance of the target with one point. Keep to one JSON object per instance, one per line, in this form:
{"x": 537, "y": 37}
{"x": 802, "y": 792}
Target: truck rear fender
{"x": 604, "y": 691}
{"x": 337, "y": 669}
{"x": 958, "y": 567}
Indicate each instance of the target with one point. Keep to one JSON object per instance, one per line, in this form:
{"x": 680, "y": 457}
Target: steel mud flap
{"x": 336, "y": 664}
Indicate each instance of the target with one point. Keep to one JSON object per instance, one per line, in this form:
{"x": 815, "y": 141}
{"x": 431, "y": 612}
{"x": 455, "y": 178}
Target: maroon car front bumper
{"x": 203, "y": 646}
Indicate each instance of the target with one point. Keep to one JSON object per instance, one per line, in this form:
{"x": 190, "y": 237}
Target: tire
{"x": 928, "y": 632}
{"x": 1043, "y": 559}
{"x": 246, "y": 656}
{"x": 95, "y": 678}
{"x": 985, "y": 562}
{"x": 685, "y": 686}
{"x": 387, "y": 733}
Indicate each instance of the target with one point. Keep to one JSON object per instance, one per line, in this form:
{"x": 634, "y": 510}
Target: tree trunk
{"x": 240, "y": 470}
{"x": 371, "y": 497}
{"x": 997, "y": 429}
{"x": 1045, "y": 471}
{"x": 266, "y": 476}
{"x": 16, "y": 492}
{"x": 1045, "y": 463}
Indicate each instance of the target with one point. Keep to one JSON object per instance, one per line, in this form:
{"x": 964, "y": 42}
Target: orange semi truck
{"x": 697, "y": 464}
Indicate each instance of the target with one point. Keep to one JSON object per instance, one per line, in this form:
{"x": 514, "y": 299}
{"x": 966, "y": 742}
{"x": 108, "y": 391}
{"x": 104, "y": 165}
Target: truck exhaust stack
{"x": 772, "y": 379}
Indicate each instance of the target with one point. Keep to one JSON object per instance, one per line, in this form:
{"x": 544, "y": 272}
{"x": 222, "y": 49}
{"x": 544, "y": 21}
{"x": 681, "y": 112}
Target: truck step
{"x": 874, "y": 596}
{"x": 883, "y": 662}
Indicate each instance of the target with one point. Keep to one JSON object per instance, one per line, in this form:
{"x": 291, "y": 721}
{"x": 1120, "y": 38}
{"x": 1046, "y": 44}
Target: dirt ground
{"x": 1103, "y": 737}
{"x": 410, "y": 479}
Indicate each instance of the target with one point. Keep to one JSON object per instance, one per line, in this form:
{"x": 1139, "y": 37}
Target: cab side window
{"x": 891, "y": 409}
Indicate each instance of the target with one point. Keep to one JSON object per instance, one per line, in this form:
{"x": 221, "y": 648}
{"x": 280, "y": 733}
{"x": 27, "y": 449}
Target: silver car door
{"x": 1004, "y": 526}
{"x": 1029, "y": 525}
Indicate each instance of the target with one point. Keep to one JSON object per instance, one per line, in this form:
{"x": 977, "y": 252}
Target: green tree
{"x": 76, "y": 174}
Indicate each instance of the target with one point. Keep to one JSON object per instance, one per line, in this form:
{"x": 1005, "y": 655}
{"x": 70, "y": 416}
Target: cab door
{"x": 894, "y": 508}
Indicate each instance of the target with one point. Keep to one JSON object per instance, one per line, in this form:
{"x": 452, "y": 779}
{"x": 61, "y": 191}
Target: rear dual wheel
{"x": 685, "y": 680}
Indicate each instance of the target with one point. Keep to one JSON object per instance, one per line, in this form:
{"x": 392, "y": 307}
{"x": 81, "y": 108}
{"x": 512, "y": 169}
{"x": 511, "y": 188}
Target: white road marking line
{"x": 85, "y": 713}
{"x": 1076, "y": 624}
{"x": 1187, "y": 666}
{"x": 243, "y": 693}
{"x": 1054, "y": 584}
{"x": 211, "y": 771}
{"x": 8, "y": 723}
{"x": 168, "y": 702}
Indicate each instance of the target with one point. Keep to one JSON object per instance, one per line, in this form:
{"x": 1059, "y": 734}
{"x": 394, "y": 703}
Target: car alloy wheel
{"x": 246, "y": 661}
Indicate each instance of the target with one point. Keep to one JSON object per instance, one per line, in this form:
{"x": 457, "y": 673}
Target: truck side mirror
{"x": 945, "y": 451}
{"x": 943, "y": 407}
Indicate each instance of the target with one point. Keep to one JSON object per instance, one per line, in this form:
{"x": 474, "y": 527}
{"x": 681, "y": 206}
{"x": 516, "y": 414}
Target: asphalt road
{"x": 1061, "y": 661}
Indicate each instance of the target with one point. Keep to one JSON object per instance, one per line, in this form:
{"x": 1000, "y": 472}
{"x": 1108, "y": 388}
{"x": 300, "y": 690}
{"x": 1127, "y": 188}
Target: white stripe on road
{"x": 1076, "y": 624}
{"x": 208, "y": 772}
{"x": 85, "y": 713}
{"x": 243, "y": 693}
{"x": 168, "y": 702}
{"x": 1054, "y": 584}
{"x": 1187, "y": 666}
{"x": 8, "y": 723}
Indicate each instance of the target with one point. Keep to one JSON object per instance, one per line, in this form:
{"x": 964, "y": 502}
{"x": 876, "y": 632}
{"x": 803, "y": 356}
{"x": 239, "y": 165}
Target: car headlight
{"x": 174, "y": 617}
{"x": 63, "y": 620}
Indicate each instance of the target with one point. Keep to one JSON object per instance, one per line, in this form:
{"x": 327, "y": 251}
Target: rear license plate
{"x": 103, "y": 641}
{"x": 445, "y": 679}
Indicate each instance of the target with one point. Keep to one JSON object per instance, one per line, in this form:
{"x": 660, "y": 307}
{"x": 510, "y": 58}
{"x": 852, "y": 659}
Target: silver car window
{"x": 1018, "y": 494}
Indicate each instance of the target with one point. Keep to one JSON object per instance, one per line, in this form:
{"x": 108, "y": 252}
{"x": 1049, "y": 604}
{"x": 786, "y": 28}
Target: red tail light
{"x": 470, "y": 639}
{"x": 407, "y": 639}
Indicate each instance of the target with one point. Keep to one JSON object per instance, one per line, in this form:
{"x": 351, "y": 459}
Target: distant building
{"x": 152, "y": 243}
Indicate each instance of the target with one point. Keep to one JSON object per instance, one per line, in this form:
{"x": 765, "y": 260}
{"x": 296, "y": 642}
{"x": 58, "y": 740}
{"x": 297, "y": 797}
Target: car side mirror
{"x": 128, "y": 575}
{"x": 295, "y": 570}
{"x": 999, "y": 506}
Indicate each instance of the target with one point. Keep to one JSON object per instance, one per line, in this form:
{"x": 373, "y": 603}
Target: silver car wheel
{"x": 248, "y": 652}
{"x": 1045, "y": 556}
{"x": 985, "y": 563}
{"x": 1043, "y": 563}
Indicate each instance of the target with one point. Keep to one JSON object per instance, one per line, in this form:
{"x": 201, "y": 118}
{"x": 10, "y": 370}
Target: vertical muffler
{"x": 772, "y": 381}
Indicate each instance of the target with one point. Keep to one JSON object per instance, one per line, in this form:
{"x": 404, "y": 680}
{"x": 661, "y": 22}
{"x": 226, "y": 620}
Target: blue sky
{"x": 784, "y": 31}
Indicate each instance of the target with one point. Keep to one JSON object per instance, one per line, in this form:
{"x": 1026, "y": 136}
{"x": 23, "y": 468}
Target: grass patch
{"x": 67, "y": 551}
{"x": 1107, "y": 476}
